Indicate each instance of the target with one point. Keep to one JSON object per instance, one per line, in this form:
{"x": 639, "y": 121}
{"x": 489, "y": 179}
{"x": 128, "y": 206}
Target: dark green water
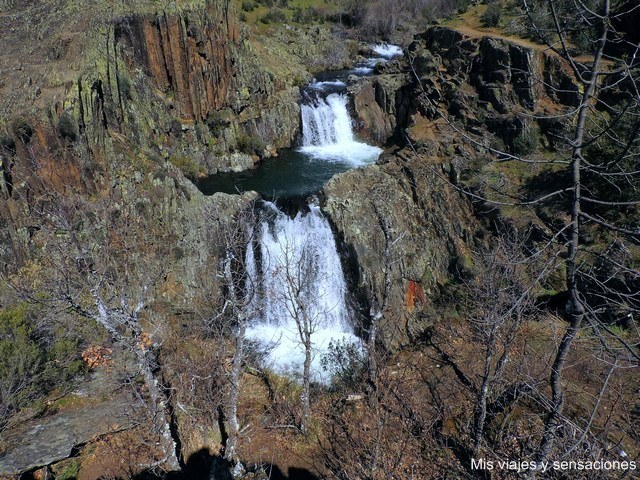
{"x": 290, "y": 174}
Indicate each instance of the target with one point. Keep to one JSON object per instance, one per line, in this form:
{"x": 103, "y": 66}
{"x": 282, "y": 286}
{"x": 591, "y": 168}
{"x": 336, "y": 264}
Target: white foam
{"x": 325, "y": 85}
{"x": 300, "y": 280}
{"x": 356, "y": 154}
{"x": 372, "y": 62}
{"x": 362, "y": 70}
{"x": 387, "y": 50}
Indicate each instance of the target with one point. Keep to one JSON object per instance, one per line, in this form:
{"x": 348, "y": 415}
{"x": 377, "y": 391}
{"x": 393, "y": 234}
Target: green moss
{"x": 187, "y": 165}
{"x": 70, "y": 472}
{"x": 250, "y": 145}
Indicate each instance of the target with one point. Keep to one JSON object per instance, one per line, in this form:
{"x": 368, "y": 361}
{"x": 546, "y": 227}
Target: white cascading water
{"x": 387, "y": 50}
{"x": 327, "y": 133}
{"x": 299, "y": 276}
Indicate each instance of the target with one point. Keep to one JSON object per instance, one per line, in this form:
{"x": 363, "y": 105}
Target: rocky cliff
{"x": 408, "y": 220}
{"x": 92, "y": 178}
{"x": 407, "y": 231}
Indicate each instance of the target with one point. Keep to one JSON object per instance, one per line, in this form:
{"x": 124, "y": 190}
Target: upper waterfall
{"x": 387, "y": 50}
{"x": 328, "y": 144}
{"x": 327, "y": 132}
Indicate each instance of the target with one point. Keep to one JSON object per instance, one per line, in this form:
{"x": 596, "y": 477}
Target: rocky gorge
{"x": 106, "y": 238}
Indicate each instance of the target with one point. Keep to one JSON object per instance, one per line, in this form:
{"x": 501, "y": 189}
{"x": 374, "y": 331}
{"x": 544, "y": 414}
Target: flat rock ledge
{"x": 52, "y": 438}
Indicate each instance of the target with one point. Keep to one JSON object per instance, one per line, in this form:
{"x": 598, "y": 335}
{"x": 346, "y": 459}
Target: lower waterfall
{"x": 299, "y": 283}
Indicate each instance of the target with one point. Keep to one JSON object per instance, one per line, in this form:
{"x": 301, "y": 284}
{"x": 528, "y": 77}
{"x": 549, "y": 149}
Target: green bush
{"x": 526, "y": 142}
{"x": 463, "y": 6}
{"x": 274, "y": 15}
{"x": 491, "y": 17}
{"x": 307, "y": 15}
{"x": 250, "y": 145}
{"x": 187, "y": 165}
{"x": 32, "y": 361}
{"x": 346, "y": 364}
{"x": 248, "y": 5}
{"x": 216, "y": 121}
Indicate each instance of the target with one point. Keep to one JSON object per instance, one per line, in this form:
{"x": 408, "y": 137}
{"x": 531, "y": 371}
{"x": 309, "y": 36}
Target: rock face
{"x": 408, "y": 230}
{"x": 403, "y": 219}
{"x": 50, "y": 439}
{"x": 379, "y": 105}
{"x": 488, "y": 81}
{"x": 215, "y": 81}
{"x": 188, "y": 54}
{"x": 158, "y": 102}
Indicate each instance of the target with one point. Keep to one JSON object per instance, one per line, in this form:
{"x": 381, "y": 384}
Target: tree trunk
{"x": 233, "y": 425}
{"x": 160, "y": 412}
{"x": 481, "y": 408}
{"x": 306, "y": 382}
{"x": 575, "y": 307}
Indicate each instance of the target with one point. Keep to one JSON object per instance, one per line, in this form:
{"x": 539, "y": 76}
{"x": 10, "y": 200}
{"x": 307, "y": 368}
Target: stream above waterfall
{"x": 328, "y": 144}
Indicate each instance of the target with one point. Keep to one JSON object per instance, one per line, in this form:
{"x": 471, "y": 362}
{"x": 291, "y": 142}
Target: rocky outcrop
{"x": 409, "y": 232}
{"x": 188, "y": 54}
{"x": 379, "y": 104}
{"x": 490, "y": 82}
{"x": 49, "y": 439}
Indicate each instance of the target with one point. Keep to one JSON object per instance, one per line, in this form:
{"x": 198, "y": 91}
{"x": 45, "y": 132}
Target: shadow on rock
{"x": 202, "y": 465}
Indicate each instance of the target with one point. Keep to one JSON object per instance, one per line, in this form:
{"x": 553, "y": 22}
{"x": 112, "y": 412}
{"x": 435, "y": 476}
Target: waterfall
{"x": 327, "y": 132}
{"x": 387, "y": 50}
{"x": 298, "y": 278}
{"x": 326, "y": 123}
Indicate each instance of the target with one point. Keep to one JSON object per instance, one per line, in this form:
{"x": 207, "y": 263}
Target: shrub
{"x": 526, "y": 142}
{"x": 307, "y": 15}
{"x": 250, "y": 145}
{"x": 67, "y": 127}
{"x": 23, "y": 131}
{"x": 31, "y": 361}
{"x": 216, "y": 121}
{"x": 275, "y": 15}
{"x": 187, "y": 165}
{"x": 346, "y": 363}
{"x": 491, "y": 17}
{"x": 248, "y": 5}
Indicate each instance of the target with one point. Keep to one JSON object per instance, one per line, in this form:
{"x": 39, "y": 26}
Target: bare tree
{"x": 501, "y": 299}
{"x": 296, "y": 265}
{"x": 592, "y": 76}
{"x": 100, "y": 263}
{"x": 300, "y": 289}
{"x": 595, "y": 196}
{"x": 239, "y": 275}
